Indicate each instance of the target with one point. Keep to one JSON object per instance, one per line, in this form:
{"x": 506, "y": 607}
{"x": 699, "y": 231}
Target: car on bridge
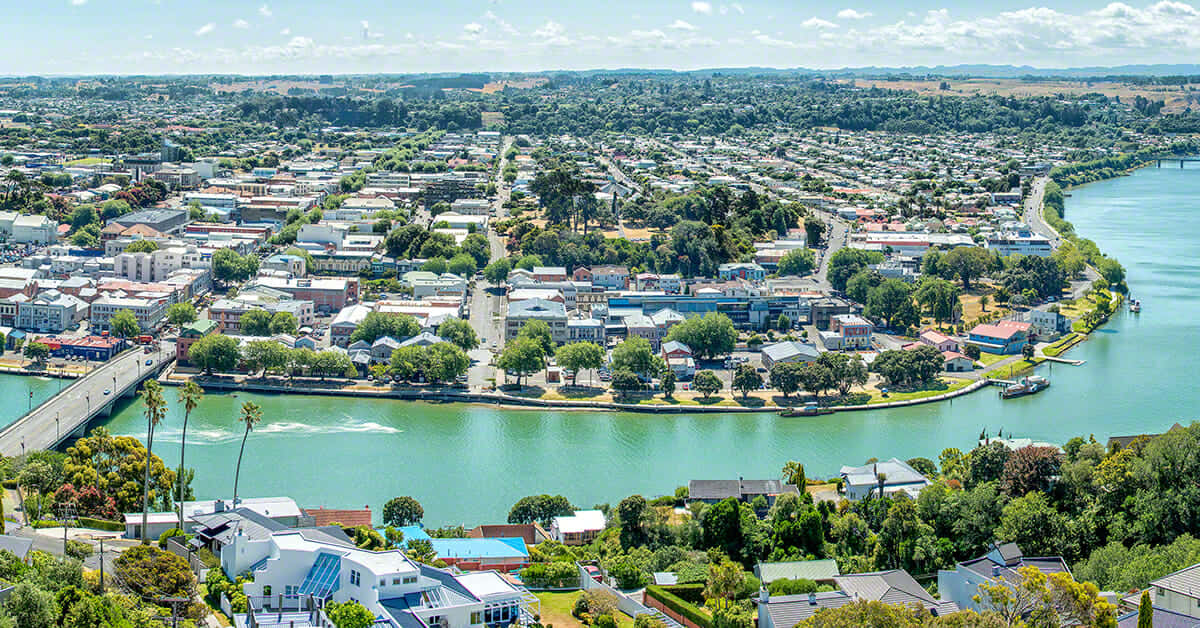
{"x": 107, "y": 391}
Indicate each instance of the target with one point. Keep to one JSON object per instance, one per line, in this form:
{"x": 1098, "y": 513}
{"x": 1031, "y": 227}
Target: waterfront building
{"x": 190, "y": 333}
{"x": 791, "y": 351}
{"x": 887, "y": 476}
{"x": 713, "y": 491}
{"x": 580, "y": 528}
{"x": 1004, "y": 337}
{"x": 521, "y": 312}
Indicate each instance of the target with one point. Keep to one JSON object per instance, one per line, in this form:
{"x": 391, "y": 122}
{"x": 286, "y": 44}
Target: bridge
{"x": 1182, "y": 160}
{"x": 68, "y": 413}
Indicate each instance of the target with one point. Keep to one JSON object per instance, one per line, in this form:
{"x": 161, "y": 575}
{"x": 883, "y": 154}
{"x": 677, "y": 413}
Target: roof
{"x": 891, "y": 587}
{"x": 1185, "y": 581}
{"x": 671, "y": 346}
{"x": 739, "y": 488}
{"x": 222, "y": 526}
{"x": 537, "y": 308}
{"x": 531, "y": 533}
{"x": 1162, "y": 618}
{"x": 823, "y": 569}
{"x": 201, "y": 327}
{"x": 348, "y": 517}
{"x": 581, "y": 521}
{"x": 791, "y": 349}
{"x": 898, "y": 472}
{"x": 19, "y": 546}
{"x": 486, "y": 584}
{"x": 789, "y": 610}
{"x": 480, "y": 548}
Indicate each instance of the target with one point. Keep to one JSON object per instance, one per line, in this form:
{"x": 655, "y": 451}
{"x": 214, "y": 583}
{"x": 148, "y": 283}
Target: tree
{"x": 814, "y": 228}
{"x": 634, "y": 355}
{"x": 746, "y": 379}
{"x": 1145, "y": 611}
{"x": 284, "y": 323}
{"x": 859, "y": 287}
{"x": 142, "y": 246}
{"x": 462, "y": 265}
{"x": 214, "y": 352}
{"x": 36, "y": 351}
{"x": 707, "y": 336}
{"x": 724, "y": 582}
{"x": 349, "y": 614}
{"x": 32, "y": 607}
{"x": 1033, "y": 524}
{"x": 1027, "y": 351}
{"x": 251, "y": 416}
{"x": 256, "y": 322}
{"x": 376, "y": 325}
{"x": 578, "y": 356}
{"x": 965, "y": 263}
{"x": 444, "y": 362}
{"x": 497, "y": 271}
{"x": 668, "y": 383}
{"x": 476, "y": 245}
{"x": 154, "y": 573}
{"x": 522, "y": 356}
{"x": 1036, "y": 599}
{"x": 848, "y": 262}
{"x": 180, "y": 314}
{"x": 793, "y": 473}
{"x": 540, "y": 509}
{"x": 845, "y": 371}
{"x": 721, "y": 527}
{"x": 797, "y": 262}
{"x": 783, "y": 323}
{"x": 123, "y": 324}
{"x": 156, "y": 411}
{"x": 630, "y": 513}
{"x": 815, "y": 377}
{"x": 539, "y": 332}
{"x": 624, "y": 380}
{"x": 910, "y": 368}
{"x": 888, "y": 300}
{"x": 986, "y": 462}
{"x": 402, "y": 511}
{"x": 707, "y": 383}
{"x": 190, "y": 395}
{"x": 785, "y": 377}
{"x": 459, "y": 332}
{"x": 228, "y": 266}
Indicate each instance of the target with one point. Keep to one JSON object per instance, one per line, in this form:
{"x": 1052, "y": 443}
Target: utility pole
{"x": 101, "y": 566}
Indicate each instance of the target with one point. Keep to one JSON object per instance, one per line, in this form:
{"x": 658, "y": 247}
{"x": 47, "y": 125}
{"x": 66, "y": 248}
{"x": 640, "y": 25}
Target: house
{"x": 549, "y": 273}
{"x": 957, "y": 362}
{"x": 531, "y": 533}
{"x": 580, "y": 528}
{"x": 554, "y": 315}
{"x": 1044, "y": 325}
{"x": 713, "y": 491}
{"x": 610, "y": 277}
{"x": 785, "y": 611}
{"x": 742, "y": 270}
{"x": 1160, "y": 617}
{"x": 961, "y": 584}
{"x": 892, "y": 587}
{"x": 854, "y": 332}
{"x": 821, "y": 571}
{"x": 938, "y": 341}
{"x": 297, "y": 564}
{"x": 791, "y": 352}
{"x": 1005, "y": 337}
{"x": 344, "y": 324}
{"x": 281, "y": 510}
{"x": 502, "y": 554}
{"x": 329, "y": 516}
{"x": 891, "y": 476}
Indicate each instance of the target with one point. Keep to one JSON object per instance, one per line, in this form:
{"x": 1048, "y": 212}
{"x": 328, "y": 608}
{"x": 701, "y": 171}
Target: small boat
{"x": 1025, "y": 386}
{"x": 809, "y": 409}
{"x": 1135, "y": 306}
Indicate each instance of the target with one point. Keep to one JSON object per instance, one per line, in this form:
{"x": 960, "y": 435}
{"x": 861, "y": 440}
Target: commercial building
{"x": 149, "y": 312}
{"x": 161, "y": 220}
{"x": 1019, "y": 243}
{"x": 50, "y": 311}
{"x": 190, "y": 333}
{"x": 854, "y": 332}
{"x": 552, "y": 313}
{"x": 746, "y": 312}
{"x": 1004, "y": 337}
{"x": 27, "y": 229}
{"x": 328, "y": 294}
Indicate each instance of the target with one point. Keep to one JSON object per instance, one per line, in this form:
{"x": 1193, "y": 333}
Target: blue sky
{"x": 398, "y": 36}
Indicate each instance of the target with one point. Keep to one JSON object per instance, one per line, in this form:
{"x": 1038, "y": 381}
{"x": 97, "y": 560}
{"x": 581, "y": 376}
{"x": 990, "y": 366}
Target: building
{"x": 742, "y": 270}
{"x": 713, "y": 491}
{"x": 1004, "y": 337}
{"x": 821, "y": 571}
{"x": 158, "y": 265}
{"x": 281, "y": 510}
{"x": 554, "y": 315}
{"x": 549, "y": 273}
{"x": 823, "y": 310}
{"x": 791, "y": 352}
{"x": 746, "y": 311}
{"x": 585, "y": 329}
{"x": 339, "y": 516}
{"x": 481, "y": 554}
{"x": 161, "y": 220}
{"x": 95, "y": 348}
{"x": 190, "y": 333}
{"x": 1045, "y": 325}
{"x": 531, "y": 533}
{"x": 961, "y": 584}
{"x": 1019, "y": 243}
{"x": 50, "y": 311}
{"x": 610, "y": 277}
{"x": 1177, "y": 593}
{"x": 938, "y": 341}
{"x": 293, "y": 265}
{"x": 854, "y": 331}
{"x": 580, "y": 528}
{"x": 889, "y": 476}
{"x": 895, "y": 586}
{"x": 471, "y": 207}
{"x": 296, "y": 564}
{"x": 149, "y": 312}
{"x": 328, "y": 294}
{"x": 957, "y": 362}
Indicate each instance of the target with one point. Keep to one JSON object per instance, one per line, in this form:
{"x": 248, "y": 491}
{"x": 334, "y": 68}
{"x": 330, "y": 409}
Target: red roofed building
{"x": 1005, "y": 337}
{"x": 349, "y": 518}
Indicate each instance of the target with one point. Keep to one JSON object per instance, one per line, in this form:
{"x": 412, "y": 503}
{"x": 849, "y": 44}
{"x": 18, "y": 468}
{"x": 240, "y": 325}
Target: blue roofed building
{"x": 502, "y": 554}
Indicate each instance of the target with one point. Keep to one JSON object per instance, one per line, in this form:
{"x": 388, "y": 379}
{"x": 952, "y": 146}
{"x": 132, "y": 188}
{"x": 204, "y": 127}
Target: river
{"x": 468, "y": 464}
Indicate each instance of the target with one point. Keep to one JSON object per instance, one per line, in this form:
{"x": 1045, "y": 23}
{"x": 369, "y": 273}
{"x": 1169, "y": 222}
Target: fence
{"x": 625, "y": 604}
{"x": 176, "y": 547}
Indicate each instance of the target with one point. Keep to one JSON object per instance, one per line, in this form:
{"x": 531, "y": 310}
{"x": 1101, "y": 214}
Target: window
{"x": 267, "y": 589}
{"x": 395, "y": 581}
{"x": 355, "y": 578}
{"x": 410, "y": 580}
{"x": 290, "y": 589}
{"x": 383, "y": 582}
{"x": 476, "y": 617}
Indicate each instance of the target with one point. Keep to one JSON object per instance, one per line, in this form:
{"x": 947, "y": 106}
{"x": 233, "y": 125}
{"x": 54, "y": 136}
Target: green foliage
{"x": 540, "y": 509}
{"x": 848, "y": 262}
{"x": 181, "y": 314}
{"x": 552, "y": 575}
{"x": 376, "y": 325}
{"x": 521, "y": 357}
{"x": 797, "y": 262}
{"x": 459, "y": 333}
{"x": 142, "y": 246}
{"x": 707, "y": 336}
{"x": 497, "y": 271}
{"x": 909, "y": 368}
{"x": 123, "y": 324}
{"x": 349, "y": 614}
{"x": 787, "y": 586}
{"x": 677, "y": 604}
{"x": 746, "y": 379}
{"x": 402, "y": 511}
{"x": 707, "y": 383}
{"x": 214, "y": 353}
{"x": 578, "y": 356}
{"x": 634, "y": 355}
{"x": 228, "y": 266}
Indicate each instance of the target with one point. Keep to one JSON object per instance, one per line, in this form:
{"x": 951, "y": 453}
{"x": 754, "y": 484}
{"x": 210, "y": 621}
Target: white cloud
{"x": 702, "y": 7}
{"x": 240, "y": 23}
{"x": 681, "y": 25}
{"x": 501, "y": 24}
{"x": 474, "y": 28}
{"x": 264, "y": 11}
{"x": 206, "y": 29}
{"x": 365, "y": 24}
{"x": 285, "y": 32}
{"x": 552, "y": 34}
{"x": 851, "y": 14}
{"x": 816, "y": 22}
{"x": 738, "y": 7}
{"x": 78, "y": 3}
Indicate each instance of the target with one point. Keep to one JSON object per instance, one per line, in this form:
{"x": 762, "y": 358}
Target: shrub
{"x": 605, "y": 621}
{"x": 693, "y": 593}
{"x": 673, "y": 602}
{"x": 554, "y": 575}
{"x": 647, "y": 621}
{"x": 162, "y": 539}
{"x": 78, "y": 550}
{"x": 787, "y": 586}
{"x": 101, "y": 524}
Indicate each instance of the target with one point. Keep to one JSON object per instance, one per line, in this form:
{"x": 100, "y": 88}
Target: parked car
{"x": 594, "y": 572}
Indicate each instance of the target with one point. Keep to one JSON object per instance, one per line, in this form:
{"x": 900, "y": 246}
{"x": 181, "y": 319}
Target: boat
{"x": 1135, "y": 306}
{"x": 1025, "y": 386}
{"x": 809, "y": 409}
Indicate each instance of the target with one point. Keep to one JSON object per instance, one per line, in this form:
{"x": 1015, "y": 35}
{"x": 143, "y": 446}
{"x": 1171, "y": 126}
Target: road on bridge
{"x": 53, "y": 421}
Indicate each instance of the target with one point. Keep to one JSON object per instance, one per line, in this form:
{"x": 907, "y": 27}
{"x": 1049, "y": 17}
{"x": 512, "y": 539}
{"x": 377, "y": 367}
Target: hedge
{"x": 691, "y": 593}
{"x": 101, "y": 524}
{"x": 679, "y": 605}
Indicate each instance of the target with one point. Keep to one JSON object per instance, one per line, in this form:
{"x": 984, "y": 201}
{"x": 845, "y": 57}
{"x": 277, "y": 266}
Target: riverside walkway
{"x": 68, "y": 413}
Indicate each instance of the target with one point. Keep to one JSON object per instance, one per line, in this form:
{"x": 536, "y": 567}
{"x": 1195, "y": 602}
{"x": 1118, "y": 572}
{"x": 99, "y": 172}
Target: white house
{"x": 893, "y": 476}
{"x": 580, "y": 528}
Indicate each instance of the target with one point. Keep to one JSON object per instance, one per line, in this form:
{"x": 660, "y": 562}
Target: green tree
{"x": 284, "y": 323}
{"x": 625, "y": 381}
{"x": 845, "y": 371}
{"x": 36, "y": 351}
{"x": 376, "y": 325}
{"x": 402, "y": 511}
{"x": 256, "y": 322}
{"x": 445, "y": 362}
{"x": 816, "y": 378}
{"x": 1145, "y": 612}
{"x": 214, "y": 352}
{"x": 848, "y": 262}
{"x": 142, "y": 246}
{"x": 349, "y": 614}
{"x": 668, "y": 383}
{"x": 710, "y": 335}
{"x": 707, "y": 383}
{"x": 539, "y": 332}
{"x": 1033, "y": 524}
{"x": 814, "y": 228}
{"x": 888, "y": 300}
{"x": 966, "y": 263}
{"x": 634, "y": 355}
{"x": 462, "y": 265}
{"x": 32, "y": 606}
{"x": 725, "y": 579}
{"x": 497, "y": 271}
{"x": 156, "y": 411}
{"x": 180, "y": 314}
{"x": 228, "y": 266}
{"x": 630, "y": 513}
{"x": 746, "y": 379}
{"x": 251, "y": 416}
{"x": 797, "y": 262}
{"x": 459, "y": 332}
{"x": 190, "y": 394}
{"x": 578, "y": 356}
{"x": 793, "y": 473}
{"x": 123, "y": 324}
{"x": 540, "y": 509}
{"x": 522, "y": 356}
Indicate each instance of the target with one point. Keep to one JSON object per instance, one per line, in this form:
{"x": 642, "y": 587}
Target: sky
{"x": 76, "y": 37}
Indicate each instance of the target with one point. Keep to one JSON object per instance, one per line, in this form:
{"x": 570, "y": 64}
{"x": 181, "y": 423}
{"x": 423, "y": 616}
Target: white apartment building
{"x": 156, "y": 266}
{"x": 1020, "y": 243}
{"x": 295, "y": 564}
{"x": 50, "y": 311}
{"x": 148, "y": 312}
{"x": 28, "y": 229}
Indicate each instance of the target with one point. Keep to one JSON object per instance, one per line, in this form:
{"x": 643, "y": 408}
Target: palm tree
{"x": 251, "y": 416}
{"x": 156, "y": 410}
{"x": 190, "y": 395}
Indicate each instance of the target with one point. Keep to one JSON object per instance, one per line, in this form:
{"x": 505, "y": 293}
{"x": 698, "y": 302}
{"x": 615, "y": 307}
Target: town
{"x": 171, "y": 242}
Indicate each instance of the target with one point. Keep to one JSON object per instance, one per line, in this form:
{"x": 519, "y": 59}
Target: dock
{"x": 1064, "y": 360}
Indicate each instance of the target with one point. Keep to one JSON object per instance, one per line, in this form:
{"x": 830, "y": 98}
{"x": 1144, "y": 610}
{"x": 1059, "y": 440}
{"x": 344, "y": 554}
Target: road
{"x": 837, "y": 234}
{"x": 484, "y": 301}
{"x": 621, "y": 178}
{"x": 1035, "y": 217}
{"x": 71, "y": 409}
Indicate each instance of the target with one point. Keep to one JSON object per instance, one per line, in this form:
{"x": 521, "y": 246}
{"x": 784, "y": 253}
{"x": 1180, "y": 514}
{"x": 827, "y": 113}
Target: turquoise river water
{"x": 468, "y": 464}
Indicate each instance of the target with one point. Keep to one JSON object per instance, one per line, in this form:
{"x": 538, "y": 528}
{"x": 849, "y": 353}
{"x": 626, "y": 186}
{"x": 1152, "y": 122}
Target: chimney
{"x": 995, "y": 571}
{"x": 764, "y": 595}
{"x": 219, "y": 506}
{"x": 812, "y": 599}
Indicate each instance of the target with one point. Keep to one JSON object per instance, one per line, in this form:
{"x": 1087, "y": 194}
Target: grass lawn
{"x": 1015, "y": 369}
{"x": 1066, "y": 342}
{"x": 943, "y": 386}
{"x": 87, "y": 161}
{"x": 988, "y": 359}
{"x": 556, "y": 609}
